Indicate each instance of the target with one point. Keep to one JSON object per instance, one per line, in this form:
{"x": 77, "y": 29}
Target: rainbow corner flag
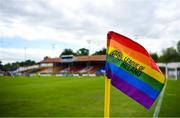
{"x": 132, "y": 70}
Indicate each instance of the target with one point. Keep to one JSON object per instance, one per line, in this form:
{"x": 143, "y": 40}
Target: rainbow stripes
{"x": 132, "y": 70}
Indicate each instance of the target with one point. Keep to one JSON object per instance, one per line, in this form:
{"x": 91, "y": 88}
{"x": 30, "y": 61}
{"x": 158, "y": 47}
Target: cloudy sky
{"x": 32, "y": 29}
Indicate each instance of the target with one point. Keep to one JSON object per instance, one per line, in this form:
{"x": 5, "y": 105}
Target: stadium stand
{"x": 69, "y": 64}
{"x": 1, "y": 73}
{"x": 86, "y": 69}
{"x": 171, "y": 69}
{"x": 94, "y": 69}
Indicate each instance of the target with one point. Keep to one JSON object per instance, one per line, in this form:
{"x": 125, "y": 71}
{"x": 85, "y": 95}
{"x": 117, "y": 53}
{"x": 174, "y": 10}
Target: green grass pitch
{"x": 75, "y": 96}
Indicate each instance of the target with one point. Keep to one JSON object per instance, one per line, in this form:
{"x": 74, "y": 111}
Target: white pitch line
{"x": 158, "y": 106}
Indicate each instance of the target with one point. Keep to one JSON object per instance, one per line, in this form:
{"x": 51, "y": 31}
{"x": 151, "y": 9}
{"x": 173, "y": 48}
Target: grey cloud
{"x": 133, "y": 17}
{"x": 50, "y": 17}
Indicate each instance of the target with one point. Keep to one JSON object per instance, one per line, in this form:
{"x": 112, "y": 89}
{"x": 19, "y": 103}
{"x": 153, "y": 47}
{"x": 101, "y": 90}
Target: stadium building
{"x": 69, "y": 65}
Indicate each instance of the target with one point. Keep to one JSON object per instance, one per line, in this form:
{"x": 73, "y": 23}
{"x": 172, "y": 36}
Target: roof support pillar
{"x": 166, "y": 71}
{"x": 176, "y": 73}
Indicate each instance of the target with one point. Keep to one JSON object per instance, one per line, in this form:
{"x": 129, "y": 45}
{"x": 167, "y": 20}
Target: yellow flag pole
{"x": 107, "y": 98}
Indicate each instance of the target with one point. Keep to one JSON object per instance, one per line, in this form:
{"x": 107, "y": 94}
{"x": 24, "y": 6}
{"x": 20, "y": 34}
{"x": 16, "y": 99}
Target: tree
{"x": 100, "y": 52}
{"x": 46, "y": 57}
{"x": 178, "y": 46}
{"x": 29, "y": 63}
{"x": 67, "y": 52}
{"x": 82, "y": 51}
{"x": 7, "y": 66}
{"x": 169, "y": 55}
{"x": 1, "y": 64}
{"x": 25, "y": 63}
{"x": 154, "y": 56}
{"x": 19, "y": 64}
